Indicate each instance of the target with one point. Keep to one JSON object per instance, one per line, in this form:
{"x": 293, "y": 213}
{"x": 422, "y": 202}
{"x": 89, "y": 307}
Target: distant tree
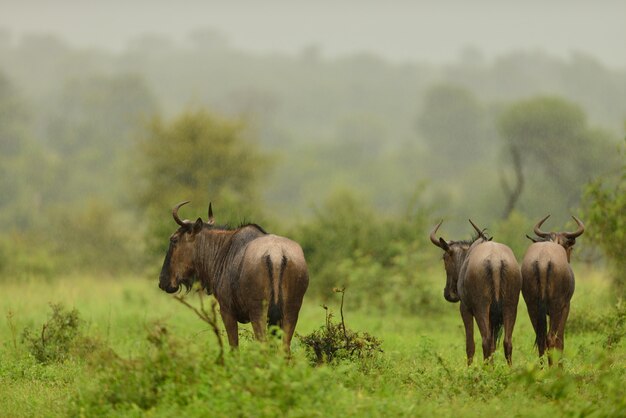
{"x": 455, "y": 125}
{"x": 199, "y": 157}
{"x": 23, "y": 166}
{"x": 91, "y": 130}
{"x": 549, "y": 137}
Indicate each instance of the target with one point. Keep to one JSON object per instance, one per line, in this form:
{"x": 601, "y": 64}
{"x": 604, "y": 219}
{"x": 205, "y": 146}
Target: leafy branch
{"x": 208, "y": 317}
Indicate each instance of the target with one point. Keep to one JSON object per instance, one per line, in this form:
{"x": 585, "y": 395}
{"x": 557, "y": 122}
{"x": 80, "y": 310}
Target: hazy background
{"x": 433, "y": 31}
{"x": 342, "y": 125}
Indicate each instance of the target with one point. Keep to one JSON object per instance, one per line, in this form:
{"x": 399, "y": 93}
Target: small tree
{"x": 197, "y": 157}
{"x": 550, "y": 136}
{"x": 605, "y": 213}
{"x": 455, "y": 125}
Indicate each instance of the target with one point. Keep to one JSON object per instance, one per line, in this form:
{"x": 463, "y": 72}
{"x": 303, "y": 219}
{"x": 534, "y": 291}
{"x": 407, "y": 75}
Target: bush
{"x": 605, "y": 209}
{"x": 381, "y": 260}
{"x": 333, "y": 342}
{"x": 56, "y": 339}
{"x": 176, "y": 377}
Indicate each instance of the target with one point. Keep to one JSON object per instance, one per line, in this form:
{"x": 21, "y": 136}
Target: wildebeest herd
{"x": 262, "y": 278}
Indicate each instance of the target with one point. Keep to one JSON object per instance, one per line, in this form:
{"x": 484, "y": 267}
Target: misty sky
{"x": 418, "y": 30}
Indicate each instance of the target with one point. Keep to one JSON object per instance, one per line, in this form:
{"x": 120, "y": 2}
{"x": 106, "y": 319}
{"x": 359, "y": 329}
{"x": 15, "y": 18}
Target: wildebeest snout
{"x": 164, "y": 284}
{"x": 450, "y": 296}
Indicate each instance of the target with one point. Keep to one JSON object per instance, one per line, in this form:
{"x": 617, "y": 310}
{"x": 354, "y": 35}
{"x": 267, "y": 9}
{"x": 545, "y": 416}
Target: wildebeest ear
{"x": 443, "y": 244}
{"x": 197, "y": 226}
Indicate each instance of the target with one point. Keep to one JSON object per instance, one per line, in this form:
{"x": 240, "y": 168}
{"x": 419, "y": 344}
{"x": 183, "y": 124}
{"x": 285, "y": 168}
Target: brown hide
{"x": 548, "y": 286}
{"x": 256, "y": 277}
{"x": 485, "y": 277}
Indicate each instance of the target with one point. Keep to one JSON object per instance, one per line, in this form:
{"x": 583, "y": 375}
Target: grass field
{"x": 144, "y": 354}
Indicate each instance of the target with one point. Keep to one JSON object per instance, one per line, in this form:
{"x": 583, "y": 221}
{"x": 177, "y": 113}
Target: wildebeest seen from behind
{"x": 485, "y": 277}
{"x": 548, "y": 284}
{"x": 255, "y": 276}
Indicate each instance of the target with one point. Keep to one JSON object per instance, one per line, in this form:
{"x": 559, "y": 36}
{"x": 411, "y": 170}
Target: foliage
{"x": 379, "y": 259}
{"x": 167, "y": 367}
{"x": 512, "y": 230}
{"x": 551, "y": 145}
{"x": 605, "y": 212}
{"x": 200, "y": 157}
{"x": 22, "y": 258}
{"x": 334, "y": 342}
{"x": 57, "y": 336}
{"x": 456, "y": 126}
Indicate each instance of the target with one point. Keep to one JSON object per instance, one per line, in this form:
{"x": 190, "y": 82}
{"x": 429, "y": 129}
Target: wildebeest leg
{"x": 510, "y": 314}
{"x": 556, "y": 336}
{"x": 232, "y": 329}
{"x": 560, "y": 331}
{"x": 259, "y": 322}
{"x": 289, "y": 326}
{"x": 468, "y": 321}
{"x": 482, "y": 320}
{"x": 533, "y": 314}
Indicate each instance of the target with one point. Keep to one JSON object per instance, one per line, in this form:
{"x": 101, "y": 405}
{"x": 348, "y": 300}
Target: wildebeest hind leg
{"x": 232, "y": 329}
{"x": 510, "y": 314}
{"x": 468, "y": 321}
{"x": 289, "y": 326}
{"x": 482, "y": 320}
{"x": 258, "y": 318}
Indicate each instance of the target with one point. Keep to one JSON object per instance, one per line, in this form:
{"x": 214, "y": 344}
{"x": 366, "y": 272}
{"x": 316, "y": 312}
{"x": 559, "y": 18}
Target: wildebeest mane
{"x": 228, "y": 227}
{"x": 472, "y": 240}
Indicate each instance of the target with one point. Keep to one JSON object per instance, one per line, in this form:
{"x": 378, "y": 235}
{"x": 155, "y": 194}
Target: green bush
{"x": 381, "y": 260}
{"x": 177, "y": 377}
{"x": 334, "y": 342}
{"x": 57, "y": 336}
{"x": 605, "y": 214}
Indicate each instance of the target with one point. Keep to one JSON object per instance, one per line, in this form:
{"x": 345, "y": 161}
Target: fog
{"x": 432, "y": 31}
{"x": 286, "y": 113}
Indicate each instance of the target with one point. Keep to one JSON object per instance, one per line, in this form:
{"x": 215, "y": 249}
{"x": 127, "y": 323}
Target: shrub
{"x": 334, "y": 342}
{"x": 605, "y": 209}
{"x": 56, "y": 339}
{"x": 380, "y": 259}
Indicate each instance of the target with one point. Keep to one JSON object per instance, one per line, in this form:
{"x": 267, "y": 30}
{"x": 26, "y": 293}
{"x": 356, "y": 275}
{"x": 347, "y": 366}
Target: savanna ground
{"x": 138, "y": 352}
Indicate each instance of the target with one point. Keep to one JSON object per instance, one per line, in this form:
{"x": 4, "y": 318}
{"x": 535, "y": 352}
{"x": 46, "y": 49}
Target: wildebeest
{"x": 255, "y": 276}
{"x": 485, "y": 277}
{"x": 548, "y": 284}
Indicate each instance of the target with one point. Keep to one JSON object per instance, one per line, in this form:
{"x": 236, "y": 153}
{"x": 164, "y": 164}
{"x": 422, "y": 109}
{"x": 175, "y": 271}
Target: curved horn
{"x": 538, "y": 231}
{"x": 175, "y": 212}
{"x": 480, "y": 233}
{"x": 579, "y": 231}
{"x": 433, "y": 239}
{"x": 211, "y": 220}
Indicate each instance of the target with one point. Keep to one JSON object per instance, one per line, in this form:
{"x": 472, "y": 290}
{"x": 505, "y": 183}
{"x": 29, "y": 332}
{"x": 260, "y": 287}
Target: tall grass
{"x": 156, "y": 358}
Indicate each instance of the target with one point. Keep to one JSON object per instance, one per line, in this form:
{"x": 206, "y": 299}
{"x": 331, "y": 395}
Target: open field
{"x": 422, "y": 371}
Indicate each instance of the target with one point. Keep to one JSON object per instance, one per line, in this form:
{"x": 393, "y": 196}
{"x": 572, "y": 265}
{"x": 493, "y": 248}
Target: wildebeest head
{"x": 179, "y": 267}
{"x": 565, "y": 239}
{"x": 454, "y": 254}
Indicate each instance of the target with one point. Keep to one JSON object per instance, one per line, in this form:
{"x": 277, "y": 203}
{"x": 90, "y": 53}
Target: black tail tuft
{"x": 496, "y": 319}
{"x": 275, "y": 310}
{"x": 274, "y": 314}
{"x": 542, "y": 323}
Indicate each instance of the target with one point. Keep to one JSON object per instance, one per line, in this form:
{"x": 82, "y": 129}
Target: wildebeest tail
{"x": 275, "y": 308}
{"x": 542, "y": 311}
{"x": 496, "y": 316}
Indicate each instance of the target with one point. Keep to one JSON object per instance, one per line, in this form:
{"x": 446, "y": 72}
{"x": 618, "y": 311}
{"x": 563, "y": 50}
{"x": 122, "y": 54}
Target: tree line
{"x": 96, "y": 147}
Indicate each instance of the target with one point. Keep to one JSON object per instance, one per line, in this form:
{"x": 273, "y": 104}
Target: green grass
{"x": 422, "y": 371}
